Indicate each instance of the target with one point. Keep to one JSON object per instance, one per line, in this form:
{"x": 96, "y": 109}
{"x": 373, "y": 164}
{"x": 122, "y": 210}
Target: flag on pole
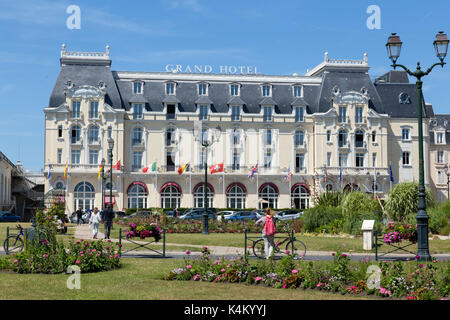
{"x": 65, "y": 171}
{"x": 154, "y": 167}
{"x": 288, "y": 175}
{"x": 100, "y": 171}
{"x": 117, "y": 165}
{"x": 182, "y": 168}
{"x": 325, "y": 179}
{"x": 340, "y": 174}
{"x": 253, "y": 171}
{"x": 49, "y": 174}
{"x": 216, "y": 168}
{"x": 391, "y": 175}
{"x": 144, "y": 170}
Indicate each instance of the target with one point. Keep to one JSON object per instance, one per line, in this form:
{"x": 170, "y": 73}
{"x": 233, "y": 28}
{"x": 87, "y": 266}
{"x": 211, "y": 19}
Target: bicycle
{"x": 14, "y": 243}
{"x": 294, "y": 247}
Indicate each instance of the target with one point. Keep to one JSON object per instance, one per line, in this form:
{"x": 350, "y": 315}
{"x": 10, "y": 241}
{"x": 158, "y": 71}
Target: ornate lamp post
{"x": 110, "y": 153}
{"x": 394, "y": 46}
{"x": 103, "y": 184}
{"x": 448, "y": 182}
{"x": 206, "y": 142}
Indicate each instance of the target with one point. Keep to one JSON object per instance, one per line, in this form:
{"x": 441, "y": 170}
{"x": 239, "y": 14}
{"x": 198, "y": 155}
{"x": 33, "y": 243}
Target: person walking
{"x": 94, "y": 222}
{"x": 79, "y": 214}
{"x": 268, "y": 231}
{"x": 107, "y": 217}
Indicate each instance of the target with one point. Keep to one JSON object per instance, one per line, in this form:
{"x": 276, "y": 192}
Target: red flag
{"x": 145, "y": 169}
{"x": 216, "y": 168}
{"x": 117, "y": 165}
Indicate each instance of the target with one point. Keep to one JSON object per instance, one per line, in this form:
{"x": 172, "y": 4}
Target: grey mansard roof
{"x": 383, "y": 94}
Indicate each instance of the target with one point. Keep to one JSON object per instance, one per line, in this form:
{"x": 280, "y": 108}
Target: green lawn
{"x": 143, "y": 279}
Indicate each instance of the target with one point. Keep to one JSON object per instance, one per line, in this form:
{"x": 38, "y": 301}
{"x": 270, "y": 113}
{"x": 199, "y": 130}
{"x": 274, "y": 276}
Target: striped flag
{"x": 253, "y": 171}
{"x": 288, "y": 175}
{"x": 100, "y": 171}
{"x": 391, "y": 175}
{"x": 182, "y": 168}
{"x": 65, "y": 171}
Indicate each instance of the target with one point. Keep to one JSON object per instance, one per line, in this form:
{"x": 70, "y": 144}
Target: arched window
{"x": 236, "y": 196}
{"x": 84, "y": 196}
{"x": 351, "y": 187}
{"x": 137, "y": 135}
{"x": 93, "y": 134}
{"x": 268, "y": 196}
{"x": 59, "y": 185}
{"x": 137, "y": 196}
{"x": 170, "y": 196}
{"x": 359, "y": 139}
{"x": 299, "y": 138}
{"x": 199, "y": 194}
{"x": 300, "y": 196}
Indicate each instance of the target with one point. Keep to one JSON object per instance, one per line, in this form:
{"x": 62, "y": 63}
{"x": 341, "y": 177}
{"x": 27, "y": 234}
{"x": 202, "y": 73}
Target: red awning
{"x": 107, "y": 201}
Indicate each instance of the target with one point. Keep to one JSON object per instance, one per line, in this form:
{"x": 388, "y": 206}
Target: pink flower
{"x": 188, "y": 252}
{"x": 333, "y": 254}
{"x": 294, "y": 271}
{"x": 344, "y": 255}
{"x": 189, "y": 267}
{"x": 258, "y": 279}
{"x": 16, "y": 261}
{"x": 287, "y": 251}
{"x": 222, "y": 270}
{"x": 116, "y": 256}
{"x": 44, "y": 256}
{"x": 77, "y": 262}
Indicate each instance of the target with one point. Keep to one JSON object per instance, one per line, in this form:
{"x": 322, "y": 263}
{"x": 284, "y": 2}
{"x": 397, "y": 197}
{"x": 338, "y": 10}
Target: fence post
{"x": 292, "y": 242}
{"x": 376, "y": 245}
{"x": 25, "y": 235}
{"x": 7, "y": 242}
{"x": 120, "y": 242}
{"x": 245, "y": 243}
{"x": 164, "y": 243}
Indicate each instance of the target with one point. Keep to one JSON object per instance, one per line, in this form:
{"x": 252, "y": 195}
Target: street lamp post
{"x": 448, "y": 182}
{"x": 110, "y": 153}
{"x": 394, "y": 47}
{"x": 103, "y": 184}
{"x": 206, "y": 142}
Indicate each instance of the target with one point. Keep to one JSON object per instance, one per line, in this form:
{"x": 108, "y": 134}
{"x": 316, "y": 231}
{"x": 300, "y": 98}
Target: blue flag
{"x": 390, "y": 172}
{"x": 49, "y": 173}
{"x": 340, "y": 174}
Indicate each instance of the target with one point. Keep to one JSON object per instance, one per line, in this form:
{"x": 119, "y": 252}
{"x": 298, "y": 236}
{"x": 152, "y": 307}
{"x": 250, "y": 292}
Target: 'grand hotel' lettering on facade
{"x": 223, "y": 69}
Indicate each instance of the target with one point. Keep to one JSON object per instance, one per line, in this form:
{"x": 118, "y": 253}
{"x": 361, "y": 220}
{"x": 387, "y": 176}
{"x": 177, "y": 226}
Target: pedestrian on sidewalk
{"x": 268, "y": 231}
{"x": 107, "y": 217}
{"x": 94, "y": 222}
{"x": 79, "y": 213}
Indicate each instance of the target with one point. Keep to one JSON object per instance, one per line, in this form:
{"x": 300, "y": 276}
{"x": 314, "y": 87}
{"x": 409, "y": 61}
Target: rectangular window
{"x": 299, "y": 162}
{"x": 405, "y": 158}
{"x": 266, "y": 91}
{"x": 76, "y": 107}
{"x": 328, "y": 159}
{"x": 268, "y": 137}
{"x": 202, "y": 158}
{"x": 235, "y": 113}
{"x": 93, "y": 110}
{"x": 440, "y": 157}
{"x": 267, "y": 113}
{"x": 202, "y": 89}
{"x": 236, "y": 160}
{"x": 374, "y": 136}
{"x": 93, "y": 156}
{"x": 59, "y": 156}
{"x": 359, "y": 160}
{"x": 299, "y": 138}
{"x": 137, "y": 87}
{"x": 442, "y": 177}
{"x": 342, "y": 114}
{"x": 203, "y": 113}
{"x": 137, "y": 160}
{"x": 234, "y": 90}
{"x": 267, "y": 158}
{"x": 170, "y": 88}
{"x": 328, "y": 135}
{"x": 439, "y": 138}
{"x": 405, "y": 134}
{"x": 358, "y": 114}
{"x": 374, "y": 160}
{"x": 170, "y": 161}
{"x": 76, "y": 156}
{"x": 297, "y": 91}
{"x": 138, "y": 111}
{"x": 299, "y": 114}
{"x": 342, "y": 159}
{"x": 170, "y": 111}
{"x": 60, "y": 131}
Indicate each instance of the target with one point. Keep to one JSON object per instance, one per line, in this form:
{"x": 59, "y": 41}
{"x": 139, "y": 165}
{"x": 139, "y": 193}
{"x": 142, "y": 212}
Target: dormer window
{"x": 76, "y": 109}
{"x": 234, "y": 90}
{"x": 137, "y": 87}
{"x": 138, "y": 111}
{"x": 69, "y": 84}
{"x": 298, "y": 91}
{"x": 93, "y": 110}
{"x": 440, "y": 137}
{"x": 266, "y": 90}
{"x": 101, "y": 85}
{"x": 404, "y": 98}
{"x": 359, "y": 114}
{"x": 202, "y": 89}
{"x": 170, "y": 89}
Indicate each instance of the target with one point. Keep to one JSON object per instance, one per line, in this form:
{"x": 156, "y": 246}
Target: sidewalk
{"x": 84, "y": 232}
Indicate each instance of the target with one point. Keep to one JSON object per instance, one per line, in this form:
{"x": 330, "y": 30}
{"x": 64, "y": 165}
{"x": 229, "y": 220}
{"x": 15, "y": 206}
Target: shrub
{"x": 438, "y": 220}
{"x": 358, "y": 202}
{"x": 353, "y": 223}
{"x": 319, "y": 216}
{"x": 330, "y": 199}
{"x": 404, "y": 200}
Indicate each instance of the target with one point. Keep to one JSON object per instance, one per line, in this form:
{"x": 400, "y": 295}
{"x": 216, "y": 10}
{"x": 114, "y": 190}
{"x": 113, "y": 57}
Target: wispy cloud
{"x": 193, "y": 5}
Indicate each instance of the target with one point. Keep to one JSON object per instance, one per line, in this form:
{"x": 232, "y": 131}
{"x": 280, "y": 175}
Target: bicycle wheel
{"x": 298, "y": 249}
{"x": 258, "y": 249}
{"x": 13, "y": 244}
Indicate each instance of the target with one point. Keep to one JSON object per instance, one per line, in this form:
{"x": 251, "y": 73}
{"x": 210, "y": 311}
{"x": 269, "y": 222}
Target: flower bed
{"x": 407, "y": 280}
{"x": 144, "y": 230}
{"x": 396, "y": 233}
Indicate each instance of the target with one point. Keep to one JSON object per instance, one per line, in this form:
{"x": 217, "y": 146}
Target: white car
{"x": 225, "y": 213}
{"x": 288, "y": 215}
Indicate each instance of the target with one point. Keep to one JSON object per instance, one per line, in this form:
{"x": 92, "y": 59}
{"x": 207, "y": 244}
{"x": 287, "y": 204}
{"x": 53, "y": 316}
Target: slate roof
{"x": 383, "y": 94}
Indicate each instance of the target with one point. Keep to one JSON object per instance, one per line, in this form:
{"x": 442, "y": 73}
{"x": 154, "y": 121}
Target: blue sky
{"x": 279, "y": 37}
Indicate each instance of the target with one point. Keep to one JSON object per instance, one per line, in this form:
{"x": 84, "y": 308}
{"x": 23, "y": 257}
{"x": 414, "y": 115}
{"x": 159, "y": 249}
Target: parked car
{"x": 259, "y": 213}
{"x": 288, "y": 215}
{"x": 242, "y": 215}
{"x": 120, "y": 214}
{"x": 198, "y": 214}
{"x": 224, "y": 213}
{"x": 170, "y": 213}
{"x": 8, "y": 217}
{"x": 141, "y": 214}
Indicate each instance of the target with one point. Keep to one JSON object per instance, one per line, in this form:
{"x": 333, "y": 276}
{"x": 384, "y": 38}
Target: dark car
{"x": 8, "y": 217}
{"x": 242, "y": 215}
{"x": 170, "y": 213}
{"x": 198, "y": 214}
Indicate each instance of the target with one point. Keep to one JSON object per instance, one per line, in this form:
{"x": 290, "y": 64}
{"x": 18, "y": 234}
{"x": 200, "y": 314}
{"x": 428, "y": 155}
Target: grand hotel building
{"x": 332, "y": 128}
